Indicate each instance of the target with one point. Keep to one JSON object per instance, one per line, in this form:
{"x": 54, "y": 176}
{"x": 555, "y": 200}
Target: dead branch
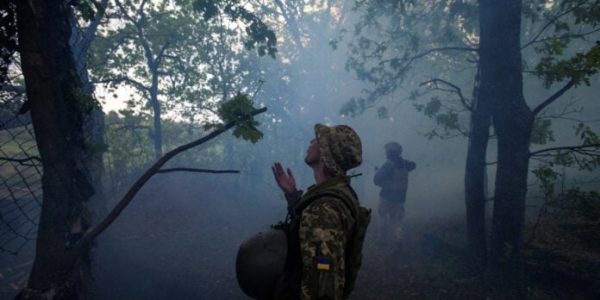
{"x": 94, "y": 232}
{"x": 196, "y": 170}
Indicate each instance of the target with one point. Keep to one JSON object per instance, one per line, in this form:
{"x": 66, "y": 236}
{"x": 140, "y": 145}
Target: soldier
{"x": 392, "y": 177}
{"x": 322, "y": 219}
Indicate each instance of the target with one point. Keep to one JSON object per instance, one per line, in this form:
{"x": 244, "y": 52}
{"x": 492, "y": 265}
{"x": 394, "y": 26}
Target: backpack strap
{"x": 345, "y": 199}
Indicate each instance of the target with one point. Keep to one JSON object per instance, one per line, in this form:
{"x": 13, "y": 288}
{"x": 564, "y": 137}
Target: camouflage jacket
{"x": 323, "y": 227}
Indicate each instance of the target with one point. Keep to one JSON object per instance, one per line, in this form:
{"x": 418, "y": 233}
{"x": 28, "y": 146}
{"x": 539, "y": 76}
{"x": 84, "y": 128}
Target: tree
{"x": 428, "y": 33}
{"x": 161, "y": 51}
{"x": 514, "y": 120}
{"x": 137, "y": 54}
{"x": 501, "y": 84}
{"x": 58, "y": 107}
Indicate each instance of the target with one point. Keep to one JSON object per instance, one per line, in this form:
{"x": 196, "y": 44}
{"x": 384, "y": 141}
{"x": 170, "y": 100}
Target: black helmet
{"x": 260, "y": 262}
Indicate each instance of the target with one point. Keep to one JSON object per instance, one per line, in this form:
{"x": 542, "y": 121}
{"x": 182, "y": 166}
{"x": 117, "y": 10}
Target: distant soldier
{"x": 392, "y": 177}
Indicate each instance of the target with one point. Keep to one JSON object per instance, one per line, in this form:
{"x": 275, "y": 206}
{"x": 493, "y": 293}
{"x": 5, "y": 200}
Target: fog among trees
{"x": 495, "y": 101}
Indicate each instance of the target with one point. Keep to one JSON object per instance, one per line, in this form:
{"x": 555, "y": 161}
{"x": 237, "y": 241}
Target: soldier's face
{"x": 313, "y": 154}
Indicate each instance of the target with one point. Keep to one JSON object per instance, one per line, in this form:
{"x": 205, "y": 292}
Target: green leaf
{"x": 547, "y": 177}
{"x": 86, "y": 10}
{"x": 237, "y": 110}
{"x": 587, "y": 134}
{"x": 542, "y": 132}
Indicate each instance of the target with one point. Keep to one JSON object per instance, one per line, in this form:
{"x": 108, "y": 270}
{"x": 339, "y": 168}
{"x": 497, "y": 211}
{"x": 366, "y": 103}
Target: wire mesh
{"x": 20, "y": 176}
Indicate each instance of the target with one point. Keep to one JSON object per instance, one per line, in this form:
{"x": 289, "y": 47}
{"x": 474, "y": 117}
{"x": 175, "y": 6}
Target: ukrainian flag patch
{"x": 323, "y": 264}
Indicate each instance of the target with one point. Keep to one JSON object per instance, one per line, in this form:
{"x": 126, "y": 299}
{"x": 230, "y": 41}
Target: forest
{"x": 137, "y": 139}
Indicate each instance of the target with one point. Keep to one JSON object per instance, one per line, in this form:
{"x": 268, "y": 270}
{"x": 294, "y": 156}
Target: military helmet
{"x": 260, "y": 263}
{"x": 340, "y": 146}
{"x": 393, "y": 147}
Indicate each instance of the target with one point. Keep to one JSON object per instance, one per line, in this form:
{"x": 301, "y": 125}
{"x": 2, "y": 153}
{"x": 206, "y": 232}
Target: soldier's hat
{"x": 340, "y": 146}
{"x": 393, "y": 147}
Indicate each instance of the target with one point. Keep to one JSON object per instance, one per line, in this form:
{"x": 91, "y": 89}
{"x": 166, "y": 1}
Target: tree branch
{"x": 93, "y": 232}
{"x": 457, "y": 89}
{"x": 131, "y": 127}
{"x": 553, "y": 97}
{"x": 572, "y": 148}
{"x": 11, "y": 88}
{"x": 196, "y": 170}
{"x": 566, "y": 36}
{"x": 550, "y": 22}
{"x": 427, "y": 52}
{"x": 138, "y": 85}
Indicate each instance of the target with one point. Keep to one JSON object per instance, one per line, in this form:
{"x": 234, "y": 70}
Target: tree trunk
{"x": 475, "y": 173}
{"x": 94, "y": 122}
{"x": 157, "y": 130}
{"x": 58, "y": 108}
{"x": 501, "y": 61}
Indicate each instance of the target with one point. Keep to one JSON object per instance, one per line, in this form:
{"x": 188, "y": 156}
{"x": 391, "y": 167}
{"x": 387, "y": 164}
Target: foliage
{"x": 392, "y": 38}
{"x": 260, "y": 37}
{"x": 397, "y": 44}
{"x": 129, "y": 145}
{"x": 128, "y": 136}
{"x": 542, "y": 132}
{"x": 237, "y": 110}
{"x": 8, "y": 37}
{"x": 585, "y": 157}
{"x": 579, "y": 67}
{"x": 197, "y": 61}
{"x": 88, "y": 9}
{"x": 586, "y": 134}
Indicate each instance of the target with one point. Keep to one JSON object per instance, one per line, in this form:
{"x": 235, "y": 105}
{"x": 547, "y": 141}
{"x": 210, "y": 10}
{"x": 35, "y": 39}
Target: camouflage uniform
{"x": 325, "y": 225}
{"x": 392, "y": 177}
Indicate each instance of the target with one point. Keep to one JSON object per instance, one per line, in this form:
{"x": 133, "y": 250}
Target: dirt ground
{"x": 184, "y": 247}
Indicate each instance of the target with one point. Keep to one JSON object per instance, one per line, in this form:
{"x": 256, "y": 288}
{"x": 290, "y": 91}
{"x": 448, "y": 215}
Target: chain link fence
{"x": 20, "y": 175}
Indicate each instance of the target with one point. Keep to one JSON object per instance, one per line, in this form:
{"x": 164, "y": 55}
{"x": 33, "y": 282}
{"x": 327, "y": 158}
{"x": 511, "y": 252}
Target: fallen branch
{"x": 196, "y": 170}
{"x": 93, "y": 232}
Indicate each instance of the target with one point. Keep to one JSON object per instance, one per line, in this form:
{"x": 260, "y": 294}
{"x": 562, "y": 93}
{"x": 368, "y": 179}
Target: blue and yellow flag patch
{"x": 323, "y": 264}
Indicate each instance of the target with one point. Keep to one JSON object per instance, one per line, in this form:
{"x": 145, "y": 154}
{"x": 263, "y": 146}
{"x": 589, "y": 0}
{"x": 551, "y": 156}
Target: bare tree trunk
{"x": 58, "y": 108}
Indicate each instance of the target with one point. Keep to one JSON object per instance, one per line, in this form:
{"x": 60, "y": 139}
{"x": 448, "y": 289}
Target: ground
{"x": 179, "y": 239}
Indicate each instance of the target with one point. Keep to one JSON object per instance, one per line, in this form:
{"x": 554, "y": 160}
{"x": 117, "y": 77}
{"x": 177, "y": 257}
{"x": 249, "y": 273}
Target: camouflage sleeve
{"x": 322, "y": 241}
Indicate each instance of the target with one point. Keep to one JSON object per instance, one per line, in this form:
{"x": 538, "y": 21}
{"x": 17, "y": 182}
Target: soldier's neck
{"x": 320, "y": 172}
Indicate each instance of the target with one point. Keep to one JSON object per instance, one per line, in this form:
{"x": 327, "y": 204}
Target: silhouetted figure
{"x": 392, "y": 177}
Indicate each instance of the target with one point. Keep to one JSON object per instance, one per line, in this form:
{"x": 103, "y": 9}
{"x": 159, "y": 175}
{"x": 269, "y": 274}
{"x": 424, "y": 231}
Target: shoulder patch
{"x": 324, "y": 263}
